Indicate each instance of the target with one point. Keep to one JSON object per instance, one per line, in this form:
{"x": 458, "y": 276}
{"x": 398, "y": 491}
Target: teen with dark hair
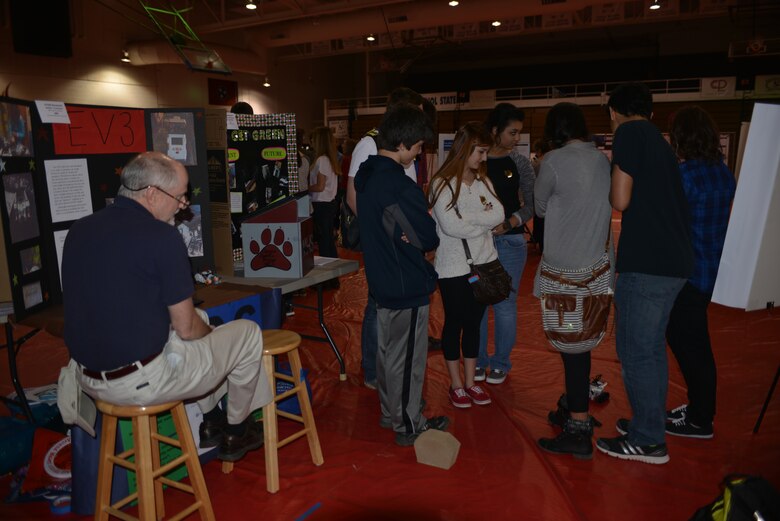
{"x": 572, "y": 194}
{"x": 512, "y": 176}
{"x": 395, "y": 232}
{"x": 654, "y": 260}
{"x": 365, "y": 148}
{"x": 709, "y": 188}
{"x": 465, "y": 207}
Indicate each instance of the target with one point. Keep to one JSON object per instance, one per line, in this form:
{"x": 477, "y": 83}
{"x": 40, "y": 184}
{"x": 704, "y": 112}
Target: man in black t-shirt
{"x": 132, "y": 331}
{"x": 655, "y": 258}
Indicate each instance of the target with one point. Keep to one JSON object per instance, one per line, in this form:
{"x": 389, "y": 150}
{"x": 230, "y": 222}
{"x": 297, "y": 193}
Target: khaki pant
{"x": 228, "y": 360}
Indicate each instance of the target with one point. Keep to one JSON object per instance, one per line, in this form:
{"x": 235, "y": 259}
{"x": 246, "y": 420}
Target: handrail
{"x": 574, "y": 90}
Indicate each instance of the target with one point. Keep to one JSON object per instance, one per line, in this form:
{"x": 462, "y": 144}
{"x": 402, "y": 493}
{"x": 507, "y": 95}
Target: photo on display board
{"x": 32, "y": 295}
{"x": 31, "y": 259}
{"x": 173, "y": 134}
{"x": 20, "y": 205}
{"x": 15, "y": 130}
{"x": 188, "y": 222}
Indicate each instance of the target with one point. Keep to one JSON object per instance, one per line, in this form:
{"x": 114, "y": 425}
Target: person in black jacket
{"x": 395, "y": 232}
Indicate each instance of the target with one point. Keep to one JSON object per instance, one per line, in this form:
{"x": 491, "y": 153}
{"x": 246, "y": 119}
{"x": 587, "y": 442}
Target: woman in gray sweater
{"x": 572, "y": 194}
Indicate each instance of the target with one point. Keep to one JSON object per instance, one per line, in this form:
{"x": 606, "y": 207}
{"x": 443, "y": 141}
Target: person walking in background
{"x": 709, "y": 188}
{"x": 515, "y": 189}
{"x": 466, "y": 210}
{"x": 654, "y": 260}
{"x": 365, "y": 148}
{"x": 323, "y": 184}
{"x": 396, "y": 231}
{"x": 572, "y": 194}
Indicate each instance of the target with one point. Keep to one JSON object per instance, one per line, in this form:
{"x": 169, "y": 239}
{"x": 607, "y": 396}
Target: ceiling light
{"x": 370, "y": 38}
{"x": 655, "y": 5}
{"x": 496, "y": 23}
{"x": 251, "y": 5}
{"x": 125, "y": 57}
{"x": 266, "y": 83}
{"x": 454, "y": 3}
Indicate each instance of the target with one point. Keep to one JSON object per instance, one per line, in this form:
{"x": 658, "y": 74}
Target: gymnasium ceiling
{"x": 423, "y": 36}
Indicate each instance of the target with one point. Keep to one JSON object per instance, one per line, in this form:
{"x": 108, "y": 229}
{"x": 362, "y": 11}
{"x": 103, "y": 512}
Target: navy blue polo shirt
{"x": 121, "y": 269}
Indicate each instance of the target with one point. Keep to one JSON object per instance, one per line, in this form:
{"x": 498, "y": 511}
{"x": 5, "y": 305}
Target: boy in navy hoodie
{"x": 395, "y": 232}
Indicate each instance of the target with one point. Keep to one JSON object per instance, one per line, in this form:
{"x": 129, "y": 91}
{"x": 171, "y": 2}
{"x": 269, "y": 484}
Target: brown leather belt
{"x": 122, "y": 371}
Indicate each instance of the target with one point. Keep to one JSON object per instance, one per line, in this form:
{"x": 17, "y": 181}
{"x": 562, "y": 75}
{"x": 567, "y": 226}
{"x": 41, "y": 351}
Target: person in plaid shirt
{"x": 709, "y": 188}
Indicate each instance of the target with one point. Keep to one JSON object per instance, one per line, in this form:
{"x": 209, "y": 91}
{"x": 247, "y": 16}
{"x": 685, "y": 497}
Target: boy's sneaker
{"x": 496, "y": 376}
{"x": 459, "y": 398}
{"x": 439, "y": 423}
{"x": 622, "y": 426}
{"x": 677, "y": 413}
{"x": 621, "y": 448}
{"x": 479, "y": 374}
{"x": 684, "y": 427}
{"x": 478, "y": 395}
{"x": 371, "y": 384}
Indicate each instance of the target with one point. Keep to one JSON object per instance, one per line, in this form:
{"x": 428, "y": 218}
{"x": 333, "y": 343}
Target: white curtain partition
{"x": 749, "y": 274}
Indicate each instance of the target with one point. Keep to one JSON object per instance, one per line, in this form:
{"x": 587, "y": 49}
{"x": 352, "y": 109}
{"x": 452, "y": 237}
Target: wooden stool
{"x": 277, "y": 342}
{"x": 150, "y": 476}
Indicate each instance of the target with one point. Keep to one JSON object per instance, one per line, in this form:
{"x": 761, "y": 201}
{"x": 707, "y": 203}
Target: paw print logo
{"x": 274, "y": 255}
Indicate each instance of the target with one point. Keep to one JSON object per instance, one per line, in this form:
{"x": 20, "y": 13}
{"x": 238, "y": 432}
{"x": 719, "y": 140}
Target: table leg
{"x": 328, "y": 338}
{"x": 21, "y": 398}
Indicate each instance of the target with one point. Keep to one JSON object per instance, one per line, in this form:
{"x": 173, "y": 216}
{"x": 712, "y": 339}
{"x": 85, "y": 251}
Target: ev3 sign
{"x": 723, "y": 87}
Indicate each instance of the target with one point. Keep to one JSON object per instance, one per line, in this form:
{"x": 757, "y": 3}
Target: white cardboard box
{"x": 279, "y": 242}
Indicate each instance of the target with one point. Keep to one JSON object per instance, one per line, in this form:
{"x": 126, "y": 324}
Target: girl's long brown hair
{"x": 323, "y": 145}
{"x": 468, "y": 137}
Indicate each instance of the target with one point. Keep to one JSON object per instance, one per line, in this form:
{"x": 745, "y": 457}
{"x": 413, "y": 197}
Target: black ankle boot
{"x": 575, "y": 439}
{"x": 559, "y": 416}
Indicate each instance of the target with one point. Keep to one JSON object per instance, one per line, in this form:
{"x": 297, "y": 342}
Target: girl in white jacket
{"x": 465, "y": 206}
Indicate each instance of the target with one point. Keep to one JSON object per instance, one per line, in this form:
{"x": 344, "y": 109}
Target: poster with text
{"x": 68, "y": 183}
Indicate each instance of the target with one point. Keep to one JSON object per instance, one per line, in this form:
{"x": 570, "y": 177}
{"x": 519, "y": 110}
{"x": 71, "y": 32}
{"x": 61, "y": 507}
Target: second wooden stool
{"x": 279, "y": 342}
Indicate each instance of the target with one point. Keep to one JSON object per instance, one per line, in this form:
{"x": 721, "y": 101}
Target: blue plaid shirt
{"x": 709, "y": 188}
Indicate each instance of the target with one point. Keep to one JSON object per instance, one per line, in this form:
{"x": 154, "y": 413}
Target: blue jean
{"x": 643, "y": 303}
{"x": 368, "y": 341}
{"x": 512, "y": 254}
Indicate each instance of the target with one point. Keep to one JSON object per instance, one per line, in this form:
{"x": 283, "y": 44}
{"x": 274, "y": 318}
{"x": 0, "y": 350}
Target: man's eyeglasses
{"x": 182, "y": 199}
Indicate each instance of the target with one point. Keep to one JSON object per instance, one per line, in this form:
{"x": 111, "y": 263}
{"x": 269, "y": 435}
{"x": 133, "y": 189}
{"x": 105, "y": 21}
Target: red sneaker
{"x": 478, "y": 396}
{"x": 459, "y": 398}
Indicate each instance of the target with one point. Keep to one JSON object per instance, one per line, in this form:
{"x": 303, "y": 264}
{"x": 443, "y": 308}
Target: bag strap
{"x": 576, "y": 283}
{"x": 468, "y": 252}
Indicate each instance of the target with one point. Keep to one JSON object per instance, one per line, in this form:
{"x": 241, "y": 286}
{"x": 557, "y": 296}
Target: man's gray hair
{"x": 147, "y": 169}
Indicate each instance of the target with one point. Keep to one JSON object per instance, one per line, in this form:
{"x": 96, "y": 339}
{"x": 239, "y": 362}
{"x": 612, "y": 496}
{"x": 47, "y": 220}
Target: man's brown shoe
{"x": 234, "y": 447}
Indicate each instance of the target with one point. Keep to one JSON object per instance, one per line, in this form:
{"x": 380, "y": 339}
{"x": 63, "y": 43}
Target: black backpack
{"x": 744, "y": 498}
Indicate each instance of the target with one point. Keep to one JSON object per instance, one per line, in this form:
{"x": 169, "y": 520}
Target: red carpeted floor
{"x": 500, "y": 473}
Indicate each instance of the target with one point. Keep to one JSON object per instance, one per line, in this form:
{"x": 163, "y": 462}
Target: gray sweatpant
{"x": 401, "y": 360}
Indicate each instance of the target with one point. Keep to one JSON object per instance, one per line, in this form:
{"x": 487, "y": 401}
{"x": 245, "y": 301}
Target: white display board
{"x": 748, "y": 276}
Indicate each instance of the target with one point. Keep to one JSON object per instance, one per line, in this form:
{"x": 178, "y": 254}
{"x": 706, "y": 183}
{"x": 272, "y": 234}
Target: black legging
{"x": 462, "y": 315}
{"x": 576, "y": 369}
{"x": 324, "y": 213}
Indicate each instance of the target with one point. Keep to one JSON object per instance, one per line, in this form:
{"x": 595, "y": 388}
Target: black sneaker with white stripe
{"x": 677, "y": 413}
{"x": 687, "y": 429}
{"x": 621, "y": 448}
